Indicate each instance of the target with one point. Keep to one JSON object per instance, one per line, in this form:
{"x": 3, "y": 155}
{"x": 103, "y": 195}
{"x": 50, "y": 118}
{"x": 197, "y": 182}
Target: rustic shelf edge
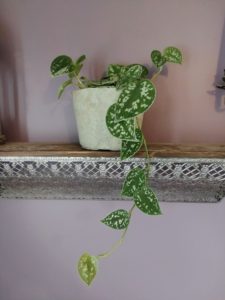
{"x": 181, "y": 173}
{"x": 156, "y": 150}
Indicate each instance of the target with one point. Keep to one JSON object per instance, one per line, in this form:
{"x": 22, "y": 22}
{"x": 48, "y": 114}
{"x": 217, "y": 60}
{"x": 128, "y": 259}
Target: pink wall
{"x": 188, "y": 110}
{"x": 179, "y": 256}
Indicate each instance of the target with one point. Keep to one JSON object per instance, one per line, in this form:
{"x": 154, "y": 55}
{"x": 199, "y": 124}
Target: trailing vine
{"x": 137, "y": 95}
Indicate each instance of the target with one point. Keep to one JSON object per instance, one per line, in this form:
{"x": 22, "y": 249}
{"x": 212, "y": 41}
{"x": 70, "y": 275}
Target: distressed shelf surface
{"x": 191, "y": 173}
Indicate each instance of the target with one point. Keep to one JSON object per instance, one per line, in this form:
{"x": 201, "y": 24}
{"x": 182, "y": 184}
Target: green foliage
{"x": 122, "y": 130}
{"x": 63, "y": 86}
{"x": 87, "y": 267}
{"x": 173, "y": 55}
{"x": 118, "y": 219}
{"x": 170, "y": 54}
{"x": 146, "y": 201}
{"x": 134, "y": 181}
{"x": 135, "y": 99}
{"x": 129, "y": 148}
{"x": 61, "y": 65}
{"x": 137, "y": 94}
{"x": 157, "y": 58}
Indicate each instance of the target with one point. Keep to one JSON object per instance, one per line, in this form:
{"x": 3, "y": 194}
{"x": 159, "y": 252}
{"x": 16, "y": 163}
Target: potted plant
{"x": 109, "y": 112}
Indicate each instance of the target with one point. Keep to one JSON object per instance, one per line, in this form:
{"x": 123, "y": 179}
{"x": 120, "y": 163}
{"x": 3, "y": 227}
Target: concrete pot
{"x": 90, "y": 107}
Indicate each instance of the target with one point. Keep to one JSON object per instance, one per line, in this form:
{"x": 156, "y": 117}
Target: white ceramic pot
{"x": 90, "y": 107}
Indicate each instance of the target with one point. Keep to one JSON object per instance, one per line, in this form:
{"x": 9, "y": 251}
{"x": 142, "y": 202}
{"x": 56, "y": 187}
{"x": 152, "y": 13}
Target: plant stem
{"x": 80, "y": 83}
{"x": 157, "y": 73}
{"x": 120, "y": 241}
{"x": 148, "y": 160}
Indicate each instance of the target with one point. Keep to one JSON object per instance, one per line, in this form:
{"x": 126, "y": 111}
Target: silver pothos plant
{"x": 137, "y": 95}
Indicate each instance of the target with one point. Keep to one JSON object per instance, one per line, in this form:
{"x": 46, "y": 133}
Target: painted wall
{"x": 180, "y": 255}
{"x": 188, "y": 109}
{"x": 177, "y": 256}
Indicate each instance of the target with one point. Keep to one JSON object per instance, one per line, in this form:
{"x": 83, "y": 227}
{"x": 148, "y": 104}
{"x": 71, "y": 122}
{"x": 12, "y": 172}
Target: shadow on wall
{"x": 12, "y": 104}
{"x": 219, "y": 94}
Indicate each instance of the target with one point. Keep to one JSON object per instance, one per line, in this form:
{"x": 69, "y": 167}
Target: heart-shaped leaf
{"x": 115, "y": 70}
{"x": 146, "y": 201}
{"x": 135, "y": 99}
{"x": 131, "y": 73}
{"x": 173, "y": 55}
{"x": 124, "y": 130}
{"x": 134, "y": 71}
{"x": 144, "y": 71}
{"x": 122, "y": 83}
{"x": 87, "y": 267}
{"x": 129, "y": 148}
{"x": 134, "y": 181}
{"x": 118, "y": 219}
{"x": 157, "y": 58}
{"x": 61, "y": 65}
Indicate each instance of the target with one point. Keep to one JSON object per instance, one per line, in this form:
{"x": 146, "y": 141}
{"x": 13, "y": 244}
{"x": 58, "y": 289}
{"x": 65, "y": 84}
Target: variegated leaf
{"x": 130, "y": 74}
{"x": 61, "y": 65}
{"x": 129, "y": 148}
{"x": 87, "y": 267}
{"x": 134, "y": 71}
{"x": 118, "y": 219}
{"x": 146, "y": 201}
{"x": 122, "y": 83}
{"x": 115, "y": 70}
{"x": 135, "y": 99}
{"x": 124, "y": 130}
{"x": 173, "y": 55}
{"x": 134, "y": 181}
{"x": 157, "y": 58}
{"x": 144, "y": 71}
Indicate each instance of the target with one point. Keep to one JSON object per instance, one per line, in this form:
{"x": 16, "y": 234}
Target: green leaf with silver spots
{"x": 173, "y": 55}
{"x": 134, "y": 181}
{"x": 115, "y": 70}
{"x": 131, "y": 73}
{"x": 118, "y": 219}
{"x": 87, "y": 267}
{"x": 61, "y": 65}
{"x": 135, "y": 99}
{"x": 144, "y": 70}
{"x": 157, "y": 58}
{"x": 129, "y": 148}
{"x": 122, "y": 83}
{"x": 124, "y": 130}
{"x": 134, "y": 71}
{"x": 146, "y": 200}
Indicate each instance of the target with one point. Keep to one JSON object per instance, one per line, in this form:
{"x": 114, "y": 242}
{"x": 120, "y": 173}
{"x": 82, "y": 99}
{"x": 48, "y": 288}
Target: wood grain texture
{"x": 73, "y": 150}
{"x": 2, "y": 139}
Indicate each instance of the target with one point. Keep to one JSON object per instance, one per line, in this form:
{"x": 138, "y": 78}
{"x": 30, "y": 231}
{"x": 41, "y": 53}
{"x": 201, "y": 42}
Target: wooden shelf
{"x": 183, "y": 173}
{"x": 73, "y": 150}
